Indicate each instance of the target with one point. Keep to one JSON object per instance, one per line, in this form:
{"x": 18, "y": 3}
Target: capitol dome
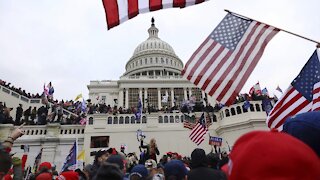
{"x": 153, "y": 57}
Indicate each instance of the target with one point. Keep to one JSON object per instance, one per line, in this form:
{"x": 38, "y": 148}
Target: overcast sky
{"x": 67, "y": 41}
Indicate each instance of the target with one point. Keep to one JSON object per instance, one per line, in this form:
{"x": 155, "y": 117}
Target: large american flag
{"x": 301, "y": 96}
{"x": 199, "y": 131}
{"x": 119, "y": 11}
{"x": 224, "y": 61}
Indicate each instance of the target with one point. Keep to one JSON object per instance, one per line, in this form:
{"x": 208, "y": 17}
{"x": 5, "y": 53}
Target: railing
{"x": 35, "y": 130}
{"x": 150, "y": 77}
{"x": 41, "y": 130}
{"x": 71, "y": 129}
{"x": 167, "y": 118}
{"x": 237, "y": 109}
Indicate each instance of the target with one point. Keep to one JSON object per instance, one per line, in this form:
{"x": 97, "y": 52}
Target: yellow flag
{"x": 78, "y": 97}
{"x": 81, "y": 156}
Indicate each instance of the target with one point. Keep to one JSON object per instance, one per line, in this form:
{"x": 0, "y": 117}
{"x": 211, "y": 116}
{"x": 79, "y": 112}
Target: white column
{"x": 203, "y": 96}
{"x": 172, "y": 97}
{"x": 185, "y": 94}
{"x": 159, "y": 98}
{"x": 120, "y": 98}
{"x": 127, "y": 98}
{"x": 190, "y": 92}
{"x": 145, "y": 96}
{"x": 140, "y": 96}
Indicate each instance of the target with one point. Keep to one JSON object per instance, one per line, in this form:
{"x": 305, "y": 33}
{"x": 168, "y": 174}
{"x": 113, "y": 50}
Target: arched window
{"x": 233, "y": 112}
{"x": 258, "y": 107}
{"x": 115, "y": 120}
{"x": 144, "y": 119}
{"x": 109, "y": 120}
{"x": 227, "y": 113}
{"x": 126, "y": 120}
{"x": 160, "y": 119}
{"x": 238, "y": 110}
{"x": 133, "y": 120}
{"x": 166, "y": 119}
{"x": 121, "y": 120}
{"x": 171, "y": 119}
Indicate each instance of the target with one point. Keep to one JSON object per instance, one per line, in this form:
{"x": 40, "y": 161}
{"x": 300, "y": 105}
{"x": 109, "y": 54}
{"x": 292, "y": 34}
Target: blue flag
{"x": 51, "y": 89}
{"x": 71, "y": 160}
{"x": 246, "y": 104}
{"x": 139, "y": 110}
{"x": 266, "y": 104}
{"x": 265, "y": 91}
{"x": 83, "y": 106}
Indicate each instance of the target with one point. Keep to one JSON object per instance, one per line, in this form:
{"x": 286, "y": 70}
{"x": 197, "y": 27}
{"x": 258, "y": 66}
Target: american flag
{"x": 301, "y": 96}
{"x": 119, "y": 11}
{"x": 199, "y": 131}
{"x": 256, "y": 89}
{"x": 224, "y": 61}
{"x": 37, "y": 161}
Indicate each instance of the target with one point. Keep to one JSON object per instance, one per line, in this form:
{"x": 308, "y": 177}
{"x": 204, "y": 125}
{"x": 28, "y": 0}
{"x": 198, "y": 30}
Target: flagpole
{"x": 303, "y": 37}
{"x": 76, "y": 152}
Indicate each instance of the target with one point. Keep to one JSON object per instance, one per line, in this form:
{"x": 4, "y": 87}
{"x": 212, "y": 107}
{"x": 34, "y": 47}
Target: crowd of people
{"x": 38, "y": 116}
{"x": 291, "y": 154}
{"x": 72, "y": 112}
{"x": 19, "y": 90}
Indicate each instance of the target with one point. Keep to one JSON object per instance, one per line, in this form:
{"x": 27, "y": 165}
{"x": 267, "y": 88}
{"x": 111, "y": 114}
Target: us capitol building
{"x": 152, "y": 75}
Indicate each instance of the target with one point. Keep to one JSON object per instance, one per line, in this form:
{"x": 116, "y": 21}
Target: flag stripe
{"x": 133, "y": 8}
{"x": 212, "y": 85}
{"x": 244, "y": 68}
{"x": 239, "y": 59}
{"x": 297, "y": 110}
{"x": 119, "y": 11}
{"x": 241, "y": 77}
{"x": 292, "y": 105}
{"x": 179, "y": 3}
{"x": 196, "y": 56}
{"x": 192, "y": 59}
{"x": 123, "y": 10}
{"x": 220, "y": 61}
{"x": 222, "y": 64}
{"x": 112, "y": 14}
{"x": 198, "y": 132}
{"x": 155, "y": 5}
{"x": 205, "y": 58}
{"x": 316, "y": 97}
{"x": 288, "y": 104}
{"x": 301, "y": 96}
{"x": 281, "y": 101}
{"x": 219, "y": 50}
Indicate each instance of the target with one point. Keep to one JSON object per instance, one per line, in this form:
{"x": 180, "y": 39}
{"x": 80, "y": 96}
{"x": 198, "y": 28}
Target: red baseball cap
{"x": 272, "y": 155}
{"x": 45, "y": 165}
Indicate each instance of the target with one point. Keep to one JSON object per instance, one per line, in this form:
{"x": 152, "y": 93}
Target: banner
{"x": 217, "y": 141}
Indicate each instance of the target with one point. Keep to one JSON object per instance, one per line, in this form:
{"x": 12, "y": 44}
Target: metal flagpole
{"x": 317, "y": 42}
{"x": 77, "y": 152}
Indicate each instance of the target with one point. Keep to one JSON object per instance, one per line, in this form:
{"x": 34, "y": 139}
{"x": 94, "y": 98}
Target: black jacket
{"x": 205, "y": 173}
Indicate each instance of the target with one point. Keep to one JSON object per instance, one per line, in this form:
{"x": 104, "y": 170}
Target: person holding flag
{"x": 138, "y": 113}
{"x": 71, "y": 160}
